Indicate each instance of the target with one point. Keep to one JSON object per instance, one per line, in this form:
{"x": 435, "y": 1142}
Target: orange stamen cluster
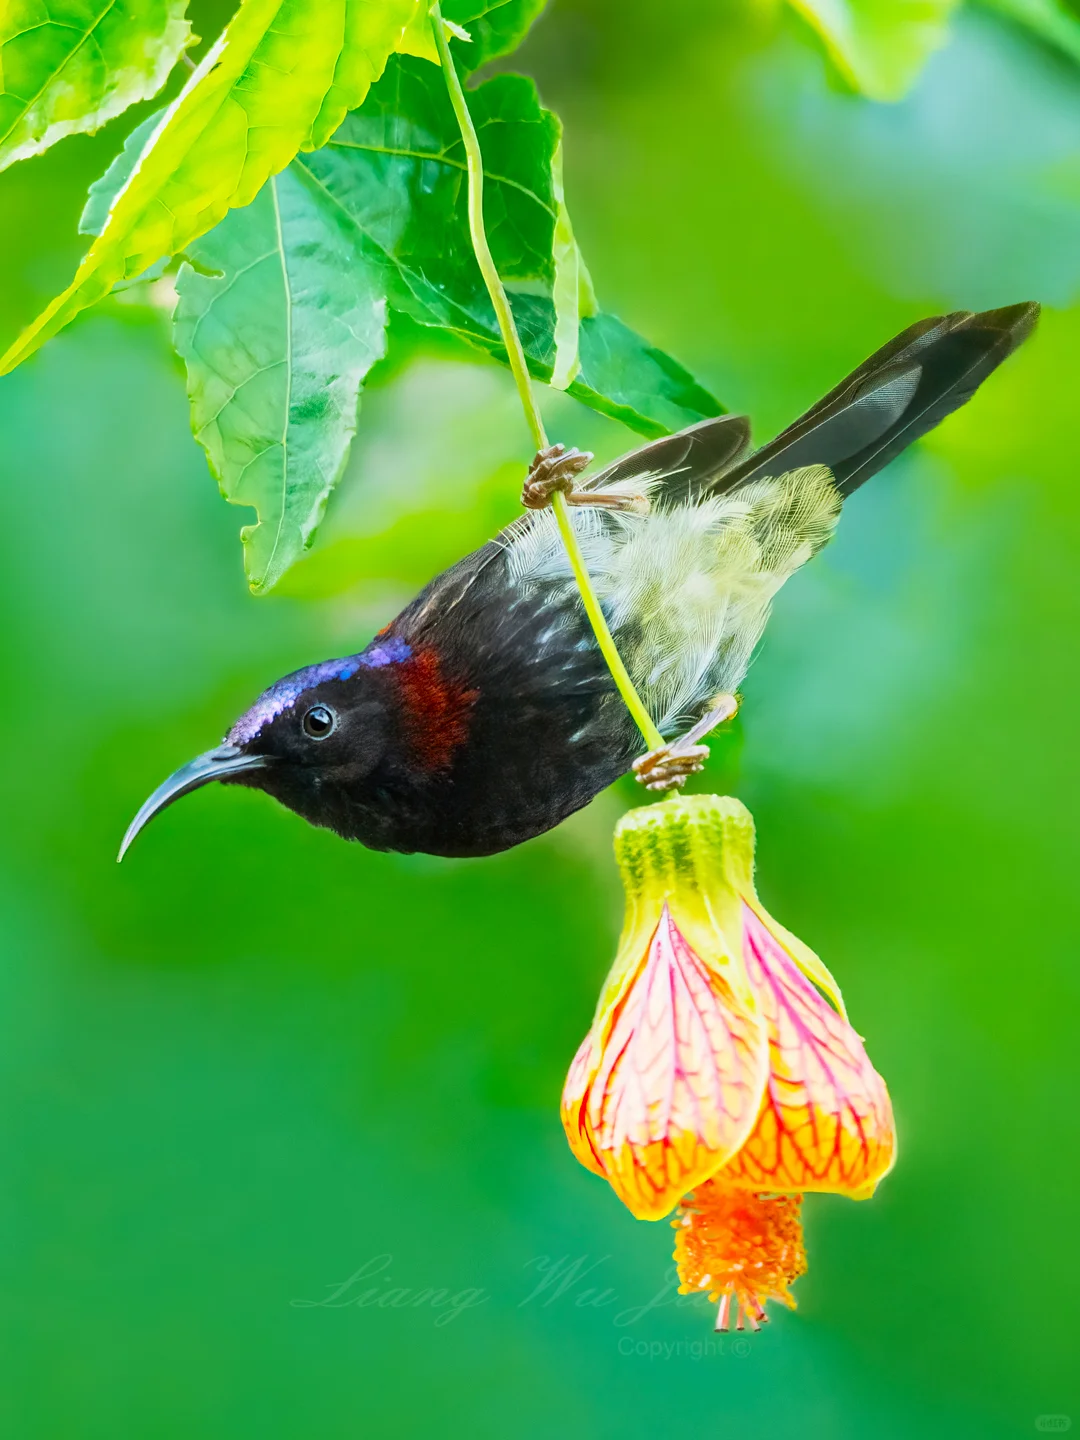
{"x": 743, "y": 1248}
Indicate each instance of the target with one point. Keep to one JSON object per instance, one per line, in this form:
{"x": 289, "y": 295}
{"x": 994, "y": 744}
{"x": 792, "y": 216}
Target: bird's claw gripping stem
{"x": 552, "y": 469}
{"x": 555, "y": 469}
{"x": 670, "y": 767}
{"x": 663, "y": 770}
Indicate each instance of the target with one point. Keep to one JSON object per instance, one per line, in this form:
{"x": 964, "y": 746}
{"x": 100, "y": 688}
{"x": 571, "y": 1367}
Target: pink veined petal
{"x": 680, "y": 1078}
{"x": 574, "y": 1097}
{"x": 827, "y": 1122}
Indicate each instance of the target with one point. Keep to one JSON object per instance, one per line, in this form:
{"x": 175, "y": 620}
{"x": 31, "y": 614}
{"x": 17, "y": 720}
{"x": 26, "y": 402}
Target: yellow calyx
{"x": 697, "y": 853}
{"x": 694, "y": 851}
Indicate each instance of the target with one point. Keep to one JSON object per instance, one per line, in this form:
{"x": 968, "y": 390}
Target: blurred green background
{"x": 255, "y": 1060}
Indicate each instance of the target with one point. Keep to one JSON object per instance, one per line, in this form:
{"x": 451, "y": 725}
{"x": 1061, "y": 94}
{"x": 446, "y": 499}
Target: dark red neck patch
{"x": 435, "y": 710}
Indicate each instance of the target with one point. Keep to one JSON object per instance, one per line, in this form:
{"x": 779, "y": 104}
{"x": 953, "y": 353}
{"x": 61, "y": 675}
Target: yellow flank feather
{"x": 688, "y": 589}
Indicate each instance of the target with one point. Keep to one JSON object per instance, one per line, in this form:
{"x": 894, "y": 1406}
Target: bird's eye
{"x": 319, "y": 722}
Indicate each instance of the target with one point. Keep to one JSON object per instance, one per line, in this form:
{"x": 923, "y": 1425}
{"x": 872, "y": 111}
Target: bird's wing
{"x": 543, "y": 729}
{"x": 522, "y": 641}
{"x": 682, "y": 465}
{"x": 903, "y": 390}
{"x": 449, "y": 589}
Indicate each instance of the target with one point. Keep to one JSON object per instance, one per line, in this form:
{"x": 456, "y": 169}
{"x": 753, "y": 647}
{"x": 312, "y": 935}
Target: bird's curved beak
{"x": 214, "y": 765}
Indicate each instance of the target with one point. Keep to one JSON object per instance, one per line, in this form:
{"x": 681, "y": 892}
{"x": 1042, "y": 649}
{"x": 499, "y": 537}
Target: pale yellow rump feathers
{"x": 688, "y": 589}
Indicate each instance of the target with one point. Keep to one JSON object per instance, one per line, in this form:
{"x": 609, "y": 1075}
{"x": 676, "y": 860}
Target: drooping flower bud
{"x": 720, "y": 1059}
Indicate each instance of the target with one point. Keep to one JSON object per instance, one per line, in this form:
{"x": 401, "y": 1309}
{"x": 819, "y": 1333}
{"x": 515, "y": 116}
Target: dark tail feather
{"x": 900, "y": 393}
{"x": 687, "y": 461}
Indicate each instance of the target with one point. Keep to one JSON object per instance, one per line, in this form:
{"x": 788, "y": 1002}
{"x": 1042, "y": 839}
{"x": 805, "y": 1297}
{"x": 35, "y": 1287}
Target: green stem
{"x": 604, "y": 638}
{"x": 520, "y": 369}
{"x": 475, "y": 164}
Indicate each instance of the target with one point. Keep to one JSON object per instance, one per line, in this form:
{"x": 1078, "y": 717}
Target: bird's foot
{"x": 555, "y": 469}
{"x": 552, "y": 469}
{"x": 669, "y": 767}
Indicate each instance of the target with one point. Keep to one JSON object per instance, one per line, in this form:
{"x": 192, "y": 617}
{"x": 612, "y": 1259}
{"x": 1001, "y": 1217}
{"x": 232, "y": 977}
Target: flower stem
{"x": 604, "y": 638}
{"x": 516, "y": 356}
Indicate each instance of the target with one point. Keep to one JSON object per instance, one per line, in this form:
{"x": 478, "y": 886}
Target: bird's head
{"x": 311, "y": 741}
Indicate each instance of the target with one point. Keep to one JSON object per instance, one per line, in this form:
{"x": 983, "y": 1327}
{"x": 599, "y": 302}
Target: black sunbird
{"x": 484, "y": 713}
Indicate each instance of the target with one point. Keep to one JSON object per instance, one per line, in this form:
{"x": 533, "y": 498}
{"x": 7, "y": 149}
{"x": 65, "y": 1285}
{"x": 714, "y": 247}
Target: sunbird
{"x": 485, "y": 714}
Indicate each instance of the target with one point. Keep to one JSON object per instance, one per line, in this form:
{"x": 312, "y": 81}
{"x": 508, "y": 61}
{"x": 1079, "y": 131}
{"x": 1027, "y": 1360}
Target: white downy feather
{"x": 687, "y": 589}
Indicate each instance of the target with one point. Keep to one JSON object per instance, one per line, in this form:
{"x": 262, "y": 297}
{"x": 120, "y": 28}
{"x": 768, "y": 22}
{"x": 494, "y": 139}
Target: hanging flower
{"x": 721, "y": 1073}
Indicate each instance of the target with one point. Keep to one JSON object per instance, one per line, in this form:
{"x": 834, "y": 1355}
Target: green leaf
{"x": 1051, "y": 20}
{"x": 287, "y": 311}
{"x": 103, "y": 192}
{"x": 495, "y": 27}
{"x": 620, "y": 374}
{"x": 625, "y": 377}
{"x": 280, "y": 77}
{"x": 67, "y": 68}
{"x": 879, "y": 46}
{"x": 396, "y": 169}
{"x": 571, "y": 292}
{"x": 278, "y": 328}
